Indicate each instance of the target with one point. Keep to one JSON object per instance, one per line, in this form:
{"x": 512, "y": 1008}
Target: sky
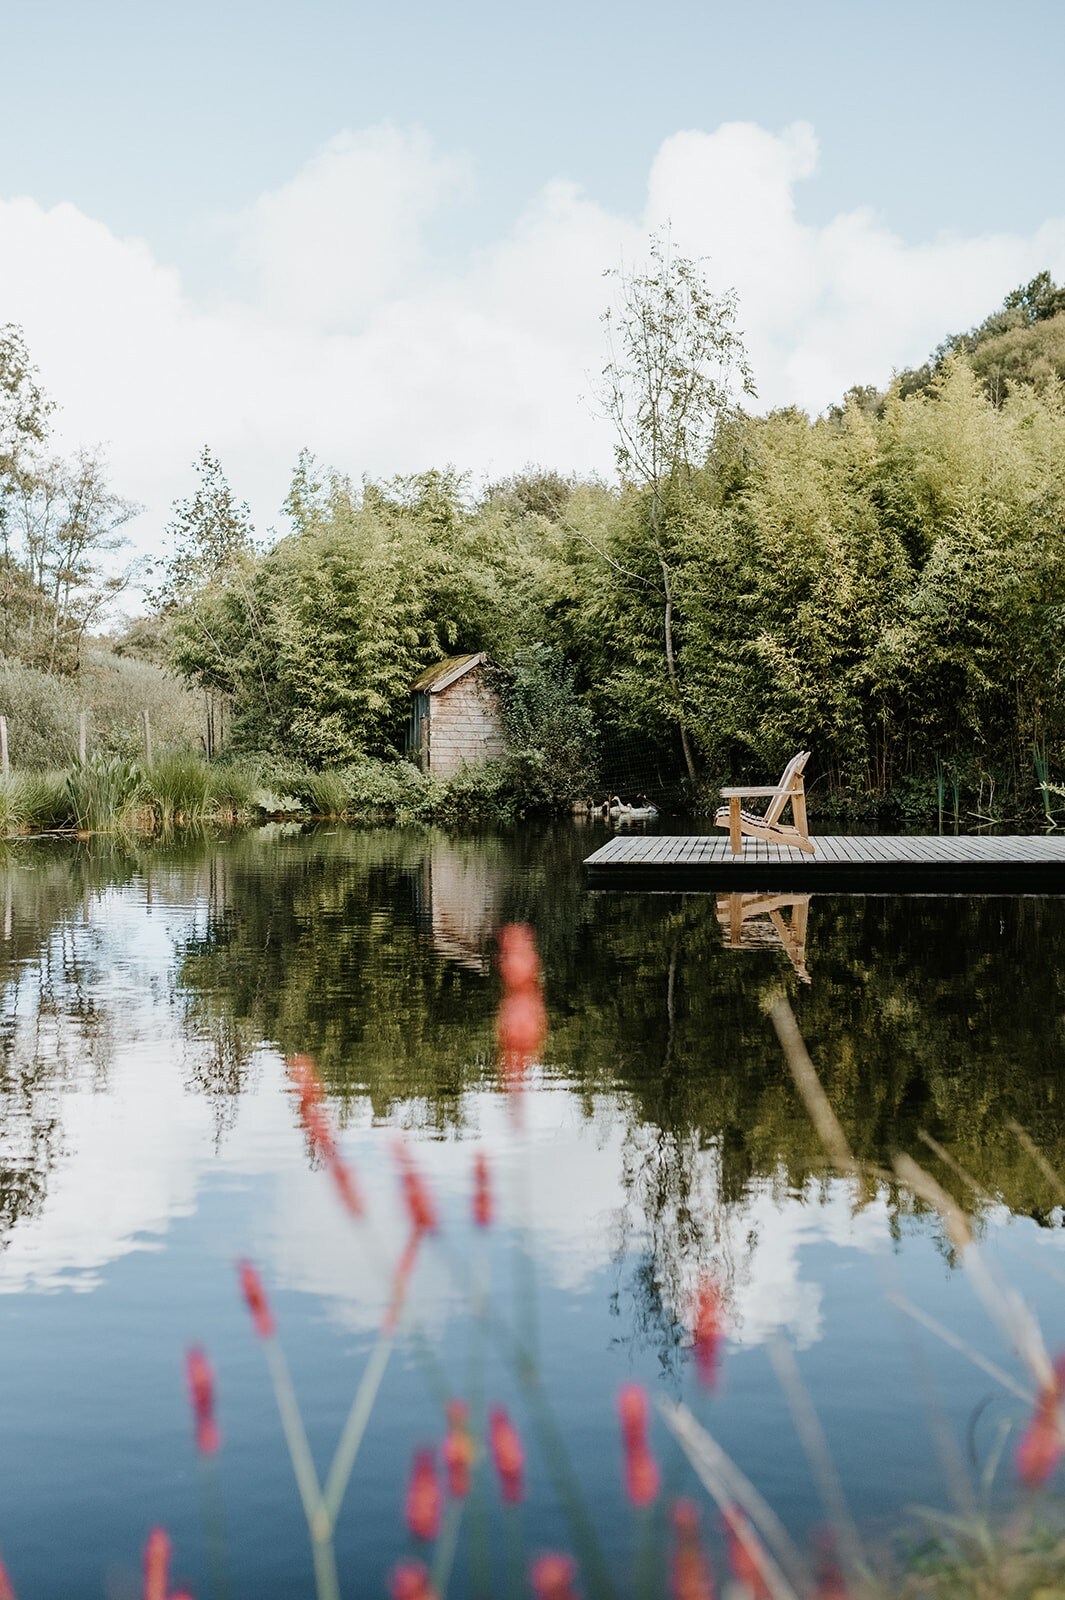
{"x": 381, "y": 232}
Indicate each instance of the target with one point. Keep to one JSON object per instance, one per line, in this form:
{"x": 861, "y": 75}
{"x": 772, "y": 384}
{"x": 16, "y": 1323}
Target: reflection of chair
{"x": 768, "y": 825}
{"x": 740, "y": 915}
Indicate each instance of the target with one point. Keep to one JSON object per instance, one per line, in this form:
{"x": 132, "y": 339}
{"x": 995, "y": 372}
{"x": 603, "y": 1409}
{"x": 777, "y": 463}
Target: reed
{"x": 102, "y": 792}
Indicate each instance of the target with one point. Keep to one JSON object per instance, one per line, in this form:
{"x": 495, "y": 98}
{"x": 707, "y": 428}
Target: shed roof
{"x": 448, "y": 671}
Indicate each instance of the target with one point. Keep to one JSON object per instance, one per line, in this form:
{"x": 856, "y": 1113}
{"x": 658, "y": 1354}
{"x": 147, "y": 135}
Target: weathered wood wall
{"x": 465, "y": 726}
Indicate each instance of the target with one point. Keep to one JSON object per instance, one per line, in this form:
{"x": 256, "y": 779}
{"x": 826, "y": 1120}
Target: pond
{"x": 150, "y": 1139}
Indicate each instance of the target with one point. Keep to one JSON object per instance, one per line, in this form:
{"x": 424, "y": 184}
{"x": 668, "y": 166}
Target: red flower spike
{"x": 458, "y": 1450}
{"x": 7, "y": 1588}
{"x": 831, "y": 1584}
{"x": 258, "y": 1305}
{"x": 421, "y": 1207}
{"x": 319, "y": 1132}
{"x": 304, "y": 1076}
{"x": 641, "y": 1470}
{"x": 1043, "y": 1441}
{"x": 201, "y": 1392}
{"x": 482, "y": 1191}
{"x": 346, "y": 1187}
{"x": 709, "y": 1329}
{"x": 156, "y": 1564}
{"x": 522, "y": 1024}
{"x": 552, "y": 1577}
{"x": 519, "y": 964}
{"x": 690, "y": 1577}
{"x": 410, "y": 1581}
{"x": 424, "y": 1499}
{"x": 507, "y": 1454}
{"x": 743, "y": 1556}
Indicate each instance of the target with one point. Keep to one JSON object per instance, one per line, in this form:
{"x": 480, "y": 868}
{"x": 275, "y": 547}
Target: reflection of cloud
{"x": 137, "y": 1155}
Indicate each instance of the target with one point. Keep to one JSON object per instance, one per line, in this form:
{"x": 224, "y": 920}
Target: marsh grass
{"x": 178, "y": 787}
{"x": 102, "y": 792}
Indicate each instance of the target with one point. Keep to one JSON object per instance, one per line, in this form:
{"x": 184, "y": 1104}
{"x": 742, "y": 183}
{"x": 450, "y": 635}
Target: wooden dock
{"x": 857, "y": 864}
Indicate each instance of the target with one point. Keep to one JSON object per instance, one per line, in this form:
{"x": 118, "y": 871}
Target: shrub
{"x": 42, "y": 716}
{"x": 550, "y": 727}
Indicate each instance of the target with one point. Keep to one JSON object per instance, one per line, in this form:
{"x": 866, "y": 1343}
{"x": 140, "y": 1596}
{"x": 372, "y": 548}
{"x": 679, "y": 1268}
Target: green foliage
{"x": 178, "y": 787}
{"x": 550, "y": 726}
{"x": 101, "y": 792}
{"x": 42, "y": 715}
{"x": 37, "y": 800}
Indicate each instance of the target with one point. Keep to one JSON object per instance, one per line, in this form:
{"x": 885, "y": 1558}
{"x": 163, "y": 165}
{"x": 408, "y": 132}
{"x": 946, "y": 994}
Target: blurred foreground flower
{"x": 641, "y": 1470}
{"x": 458, "y": 1450}
{"x": 482, "y": 1191}
{"x": 255, "y": 1296}
{"x": 410, "y": 1581}
{"x": 691, "y": 1578}
{"x": 421, "y": 1207}
{"x": 743, "y": 1556}
{"x": 521, "y": 1024}
{"x": 201, "y": 1392}
{"x": 508, "y": 1455}
{"x": 552, "y": 1577}
{"x": 156, "y": 1564}
{"x": 7, "y": 1588}
{"x": 1042, "y": 1442}
{"x": 708, "y": 1329}
{"x": 308, "y": 1085}
{"x": 424, "y": 1499}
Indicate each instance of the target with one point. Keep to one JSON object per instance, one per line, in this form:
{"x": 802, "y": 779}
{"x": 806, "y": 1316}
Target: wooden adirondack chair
{"x": 769, "y": 826}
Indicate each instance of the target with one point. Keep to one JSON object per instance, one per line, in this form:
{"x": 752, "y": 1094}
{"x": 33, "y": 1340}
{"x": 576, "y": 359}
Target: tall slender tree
{"x": 675, "y": 363}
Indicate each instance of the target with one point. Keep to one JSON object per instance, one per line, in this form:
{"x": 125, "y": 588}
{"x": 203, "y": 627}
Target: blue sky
{"x": 265, "y": 225}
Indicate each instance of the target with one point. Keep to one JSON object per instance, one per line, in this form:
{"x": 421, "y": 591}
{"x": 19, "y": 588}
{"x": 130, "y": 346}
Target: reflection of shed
{"x": 456, "y": 718}
{"x": 459, "y": 899}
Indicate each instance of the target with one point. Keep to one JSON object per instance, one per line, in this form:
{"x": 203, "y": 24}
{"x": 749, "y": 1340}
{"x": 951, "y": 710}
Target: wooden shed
{"x": 456, "y": 719}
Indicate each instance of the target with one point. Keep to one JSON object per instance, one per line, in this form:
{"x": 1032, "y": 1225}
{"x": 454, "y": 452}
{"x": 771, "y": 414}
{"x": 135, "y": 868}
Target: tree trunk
{"x": 671, "y": 660}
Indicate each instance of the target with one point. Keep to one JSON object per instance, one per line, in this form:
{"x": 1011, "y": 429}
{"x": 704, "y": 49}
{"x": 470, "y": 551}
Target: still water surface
{"x": 147, "y": 1140}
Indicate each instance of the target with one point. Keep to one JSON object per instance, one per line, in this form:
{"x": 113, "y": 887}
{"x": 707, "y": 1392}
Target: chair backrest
{"x": 792, "y": 771}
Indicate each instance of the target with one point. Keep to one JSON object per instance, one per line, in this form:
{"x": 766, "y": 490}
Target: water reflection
{"x": 150, "y": 993}
{"x": 755, "y": 921}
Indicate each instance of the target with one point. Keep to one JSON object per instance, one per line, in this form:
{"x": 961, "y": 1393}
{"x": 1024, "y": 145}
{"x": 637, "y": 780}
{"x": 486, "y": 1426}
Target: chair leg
{"x": 735, "y": 832}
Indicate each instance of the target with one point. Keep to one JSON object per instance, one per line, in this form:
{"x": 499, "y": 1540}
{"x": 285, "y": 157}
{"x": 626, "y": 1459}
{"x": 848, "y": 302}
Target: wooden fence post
{"x": 5, "y": 765}
{"x": 147, "y": 737}
{"x": 83, "y": 721}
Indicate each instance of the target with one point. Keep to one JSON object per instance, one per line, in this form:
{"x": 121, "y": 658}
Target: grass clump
{"x": 101, "y": 792}
{"x": 178, "y": 788}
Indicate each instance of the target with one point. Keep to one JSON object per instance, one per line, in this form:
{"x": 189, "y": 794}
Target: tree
{"x": 207, "y": 593}
{"x": 63, "y": 523}
{"x": 24, "y": 412}
{"x": 675, "y": 358}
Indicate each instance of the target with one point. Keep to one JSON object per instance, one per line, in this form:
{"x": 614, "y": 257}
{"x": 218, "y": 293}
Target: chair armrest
{"x": 739, "y": 794}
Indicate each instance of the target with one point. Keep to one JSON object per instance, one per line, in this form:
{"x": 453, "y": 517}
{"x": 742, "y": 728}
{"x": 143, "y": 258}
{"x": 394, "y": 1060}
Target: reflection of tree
{"x": 368, "y": 950}
{"x": 53, "y": 1029}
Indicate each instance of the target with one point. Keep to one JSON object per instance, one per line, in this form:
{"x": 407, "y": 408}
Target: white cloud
{"x": 348, "y": 335}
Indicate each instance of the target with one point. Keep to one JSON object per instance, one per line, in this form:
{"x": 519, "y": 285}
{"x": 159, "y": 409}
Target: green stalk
{"x": 214, "y": 1525}
{"x": 354, "y": 1428}
{"x": 299, "y": 1450}
{"x": 446, "y": 1546}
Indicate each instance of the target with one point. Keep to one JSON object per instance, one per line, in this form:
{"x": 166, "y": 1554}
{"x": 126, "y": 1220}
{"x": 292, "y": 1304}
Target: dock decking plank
{"x": 938, "y": 863}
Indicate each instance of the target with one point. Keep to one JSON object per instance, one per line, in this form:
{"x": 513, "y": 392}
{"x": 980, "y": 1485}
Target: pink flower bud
{"x": 482, "y": 1191}
{"x": 508, "y": 1455}
{"x": 552, "y": 1577}
{"x": 424, "y": 1499}
{"x": 258, "y": 1305}
{"x": 156, "y": 1564}
{"x": 201, "y": 1392}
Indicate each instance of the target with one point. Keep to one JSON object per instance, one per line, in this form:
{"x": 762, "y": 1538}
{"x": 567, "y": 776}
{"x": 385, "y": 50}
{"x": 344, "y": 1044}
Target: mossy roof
{"x": 447, "y": 672}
